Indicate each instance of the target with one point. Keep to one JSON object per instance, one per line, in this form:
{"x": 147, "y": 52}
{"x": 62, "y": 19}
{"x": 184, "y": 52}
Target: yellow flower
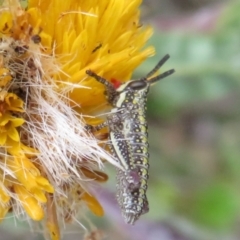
{"x": 45, "y": 50}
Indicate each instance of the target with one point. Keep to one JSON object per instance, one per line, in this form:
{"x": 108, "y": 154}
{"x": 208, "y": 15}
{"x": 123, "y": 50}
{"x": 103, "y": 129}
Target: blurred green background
{"x": 194, "y": 118}
{"x": 194, "y": 128}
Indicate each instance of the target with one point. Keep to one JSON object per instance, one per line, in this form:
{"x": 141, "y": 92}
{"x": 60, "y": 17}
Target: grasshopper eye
{"x": 137, "y": 85}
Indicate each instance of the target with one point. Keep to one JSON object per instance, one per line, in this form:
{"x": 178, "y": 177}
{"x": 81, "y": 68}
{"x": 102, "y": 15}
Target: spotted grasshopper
{"x": 128, "y": 136}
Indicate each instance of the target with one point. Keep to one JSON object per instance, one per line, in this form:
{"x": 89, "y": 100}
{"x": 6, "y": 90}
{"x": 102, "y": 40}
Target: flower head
{"x": 49, "y": 163}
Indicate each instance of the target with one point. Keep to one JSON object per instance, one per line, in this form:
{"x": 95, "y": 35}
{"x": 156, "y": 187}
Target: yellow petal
{"x": 46, "y": 40}
{"x": 53, "y": 230}
{"x": 93, "y": 204}
{"x": 44, "y": 184}
{"x": 13, "y": 133}
{"x": 6, "y": 22}
{"x": 30, "y": 204}
{"x": 14, "y": 102}
{"x": 39, "y": 195}
{"x": 5, "y": 76}
{"x": 3, "y": 137}
{"x": 4, "y": 119}
{"x": 17, "y": 122}
{"x": 51, "y": 216}
{"x": 13, "y": 147}
{"x": 23, "y": 174}
{"x": 28, "y": 175}
{"x": 28, "y": 151}
{"x": 4, "y": 197}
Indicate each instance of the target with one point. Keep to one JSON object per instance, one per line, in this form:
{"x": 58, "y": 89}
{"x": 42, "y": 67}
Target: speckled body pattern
{"x": 129, "y": 140}
{"x": 129, "y": 144}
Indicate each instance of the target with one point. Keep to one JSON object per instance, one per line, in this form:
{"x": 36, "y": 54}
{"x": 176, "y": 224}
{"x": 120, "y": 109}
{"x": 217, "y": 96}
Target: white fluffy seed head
{"x": 52, "y": 126}
{"x": 58, "y": 131}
